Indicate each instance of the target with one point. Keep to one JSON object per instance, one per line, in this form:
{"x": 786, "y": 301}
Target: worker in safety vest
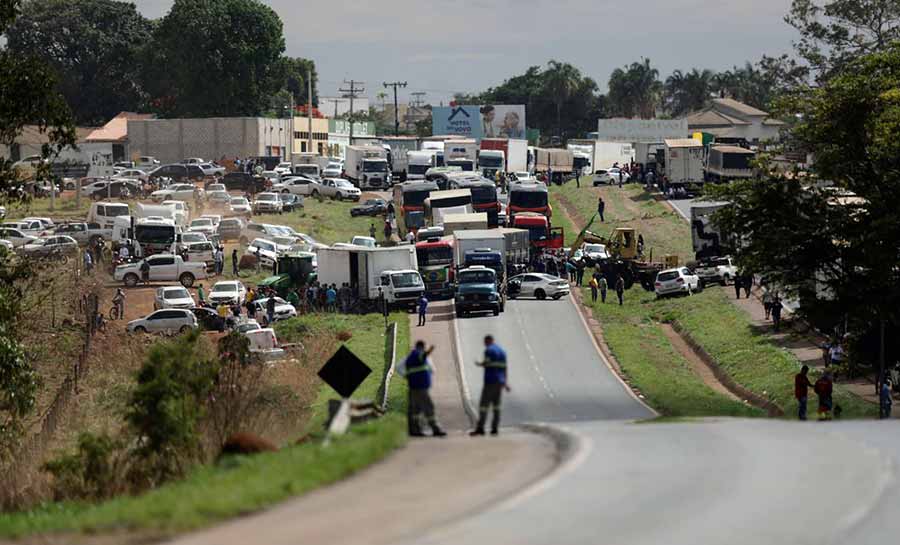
{"x": 494, "y": 383}
{"x": 417, "y": 369}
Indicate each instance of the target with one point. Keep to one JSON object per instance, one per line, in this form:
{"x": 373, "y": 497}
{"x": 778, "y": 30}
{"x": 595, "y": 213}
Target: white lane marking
{"x": 590, "y": 334}
{"x": 535, "y": 363}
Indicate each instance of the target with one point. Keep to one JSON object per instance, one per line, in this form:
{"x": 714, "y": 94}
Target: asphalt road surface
{"x": 555, "y": 371}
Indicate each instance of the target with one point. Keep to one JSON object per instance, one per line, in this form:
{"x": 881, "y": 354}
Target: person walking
{"x": 495, "y": 381}
{"x": 620, "y": 289}
{"x": 423, "y": 307}
{"x": 417, "y": 369}
{"x": 235, "y": 271}
{"x": 738, "y": 282}
{"x": 201, "y": 295}
{"x": 747, "y": 285}
{"x": 601, "y": 207}
{"x": 594, "y": 288}
{"x": 604, "y": 286}
{"x": 372, "y": 230}
{"x": 387, "y": 230}
{"x": 823, "y": 388}
{"x": 767, "y": 303}
{"x": 885, "y": 401}
{"x": 270, "y": 310}
{"x": 776, "y": 312}
{"x": 801, "y": 391}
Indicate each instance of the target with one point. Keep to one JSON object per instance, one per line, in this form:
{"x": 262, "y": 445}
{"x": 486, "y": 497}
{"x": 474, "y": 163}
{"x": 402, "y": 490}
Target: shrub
{"x": 95, "y": 470}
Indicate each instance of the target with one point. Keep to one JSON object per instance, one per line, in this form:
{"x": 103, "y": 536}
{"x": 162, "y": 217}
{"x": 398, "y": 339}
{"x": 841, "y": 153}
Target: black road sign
{"x": 344, "y": 372}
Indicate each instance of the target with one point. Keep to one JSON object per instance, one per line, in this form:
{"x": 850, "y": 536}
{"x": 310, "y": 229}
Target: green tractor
{"x": 292, "y": 271}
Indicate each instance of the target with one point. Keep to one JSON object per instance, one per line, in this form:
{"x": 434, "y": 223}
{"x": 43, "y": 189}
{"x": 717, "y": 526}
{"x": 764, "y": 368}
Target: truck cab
{"x": 490, "y": 161}
{"x": 540, "y": 233}
{"x": 476, "y": 291}
{"x": 485, "y": 257}
{"x": 435, "y": 258}
{"x": 402, "y": 288}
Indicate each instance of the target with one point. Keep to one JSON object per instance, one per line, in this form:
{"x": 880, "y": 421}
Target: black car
{"x": 372, "y": 207}
{"x": 178, "y": 172}
{"x": 290, "y": 202}
{"x": 243, "y": 181}
{"x": 209, "y": 319}
{"x": 116, "y": 189}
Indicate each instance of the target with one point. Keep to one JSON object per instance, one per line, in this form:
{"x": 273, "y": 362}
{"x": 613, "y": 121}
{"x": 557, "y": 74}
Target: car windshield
{"x": 343, "y": 183}
{"x": 237, "y": 201}
{"x": 417, "y": 169}
{"x": 594, "y": 248}
{"x": 265, "y": 246}
{"x": 267, "y": 197}
{"x": 434, "y": 255}
{"x": 666, "y": 276}
{"x": 528, "y": 199}
{"x": 482, "y": 195}
{"x": 406, "y": 280}
{"x": 176, "y": 293}
{"x": 224, "y": 288}
{"x": 113, "y": 210}
{"x": 490, "y": 162}
{"x": 201, "y": 222}
{"x": 476, "y": 277}
{"x": 374, "y": 166}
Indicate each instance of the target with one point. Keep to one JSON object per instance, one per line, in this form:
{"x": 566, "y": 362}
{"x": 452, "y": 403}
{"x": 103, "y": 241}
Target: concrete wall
{"x": 171, "y": 140}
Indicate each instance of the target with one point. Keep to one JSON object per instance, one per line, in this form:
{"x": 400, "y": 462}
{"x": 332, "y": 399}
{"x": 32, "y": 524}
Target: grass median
{"x": 633, "y": 331}
{"x": 240, "y": 485}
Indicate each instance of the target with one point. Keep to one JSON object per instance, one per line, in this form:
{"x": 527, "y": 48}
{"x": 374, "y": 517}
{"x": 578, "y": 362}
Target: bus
{"x": 409, "y": 205}
{"x": 528, "y": 198}
{"x": 484, "y": 195}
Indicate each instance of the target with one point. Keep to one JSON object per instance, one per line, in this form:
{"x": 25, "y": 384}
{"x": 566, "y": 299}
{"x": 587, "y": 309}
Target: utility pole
{"x": 309, "y": 106}
{"x": 356, "y": 87}
{"x": 334, "y": 101}
{"x": 417, "y": 98}
{"x": 396, "y": 84}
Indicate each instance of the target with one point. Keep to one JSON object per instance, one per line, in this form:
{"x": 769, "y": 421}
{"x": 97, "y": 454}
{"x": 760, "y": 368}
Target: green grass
{"x": 723, "y": 330}
{"x": 327, "y": 221}
{"x": 64, "y": 208}
{"x": 241, "y": 485}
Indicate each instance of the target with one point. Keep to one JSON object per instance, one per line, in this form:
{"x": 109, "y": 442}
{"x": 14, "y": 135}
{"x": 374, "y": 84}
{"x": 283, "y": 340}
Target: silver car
{"x": 173, "y": 297}
{"x": 170, "y": 320}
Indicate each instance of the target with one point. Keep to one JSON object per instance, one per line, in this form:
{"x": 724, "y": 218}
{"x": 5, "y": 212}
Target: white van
{"x": 105, "y": 213}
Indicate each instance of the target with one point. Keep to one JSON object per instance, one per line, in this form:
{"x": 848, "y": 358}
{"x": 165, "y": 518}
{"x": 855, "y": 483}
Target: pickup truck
{"x": 163, "y": 268}
{"x": 718, "y": 269}
{"x": 83, "y": 233}
{"x": 476, "y": 291}
{"x": 339, "y": 189}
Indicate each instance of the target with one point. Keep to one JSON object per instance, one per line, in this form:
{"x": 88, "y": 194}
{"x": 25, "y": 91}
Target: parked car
{"x": 173, "y": 297}
{"x": 215, "y": 186}
{"x": 209, "y": 319}
{"x": 134, "y": 174}
{"x": 202, "y": 225}
{"x": 283, "y": 168}
{"x": 16, "y": 236}
{"x": 246, "y": 326}
{"x": 218, "y": 198}
{"x": 372, "y": 207}
{"x": 332, "y": 172}
{"x": 178, "y": 172}
{"x": 298, "y": 185}
{"x": 230, "y": 228}
{"x": 176, "y": 192}
{"x": 677, "y": 281}
{"x": 537, "y": 285}
{"x": 58, "y": 246}
{"x": 117, "y": 189}
{"x": 283, "y": 309}
{"x": 229, "y": 292}
{"x": 201, "y": 252}
{"x": 610, "y": 176}
{"x": 262, "y": 230}
{"x": 337, "y": 188}
{"x": 240, "y": 206}
{"x": 595, "y": 252}
{"x": 193, "y": 161}
{"x": 165, "y": 321}
{"x": 77, "y": 230}
{"x": 267, "y": 251}
{"x": 290, "y": 202}
{"x": 211, "y": 169}
{"x": 271, "y": 176}
{"x": 359, "y": 240}
{"x": 267, "y": 203}
{"x": 163, "y": 267}
{"x": 243, "y": 181}
{"x": 189, "y": 237}
{"x": 146, "y": 162}
{"x": 720, "y": 269}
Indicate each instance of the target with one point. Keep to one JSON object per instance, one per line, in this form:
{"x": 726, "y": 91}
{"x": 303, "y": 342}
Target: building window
{"x": 302, "y": 147}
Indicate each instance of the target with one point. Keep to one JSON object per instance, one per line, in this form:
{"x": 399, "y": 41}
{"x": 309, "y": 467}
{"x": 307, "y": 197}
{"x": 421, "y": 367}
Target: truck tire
{"x": 315, "y": 193}
{"x": 186, "y": 279}
{"x": 131, "y": 280}
{"x": 540, "y": 294}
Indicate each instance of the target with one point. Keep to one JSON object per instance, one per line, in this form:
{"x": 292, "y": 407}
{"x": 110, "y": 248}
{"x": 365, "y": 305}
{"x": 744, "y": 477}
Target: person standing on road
{"x": 885, "y": 401}
{"x": 603, "y": 285}
{"x": 235, "y": 271}
{"x": 372, "y": 230}
{"x": 495, "y": 381}
{"x": 423, "y": 308}
{"x": 594, "y": 287}
{"x": 801, "y": 391}
{"x": 201, "y": 295}
{"x": 620, "y": 289}
{"x": 823, "y": 388}
{"x": 417, "y": 369}
{"x": 776, "y": 312}
{"x": 601, "y": 207}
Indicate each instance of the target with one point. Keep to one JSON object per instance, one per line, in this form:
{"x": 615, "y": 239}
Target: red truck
{"x": 541, "y": 234}
{"x": 435, "y": 258}
{"x": 528, "y": 197}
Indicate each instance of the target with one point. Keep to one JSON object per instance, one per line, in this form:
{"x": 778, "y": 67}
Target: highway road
{"x": 555, "y": 371}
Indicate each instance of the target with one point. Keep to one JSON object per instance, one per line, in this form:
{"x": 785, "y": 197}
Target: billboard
{"x": 648, "y": 131}
{"x": 487, "y": 121}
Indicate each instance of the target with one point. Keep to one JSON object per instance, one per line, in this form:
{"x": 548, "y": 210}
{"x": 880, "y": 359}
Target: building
{"x": 214, "y": 138}
{"x": 320, "y": 129}
{"x": 339, "y": 134}
{"x": 728, "y": 118}
{"x": 334, "y": 107}
{"x": 408, "y": 115}
{"x": 111, "y": 140}
{"x": 30, "y": 141}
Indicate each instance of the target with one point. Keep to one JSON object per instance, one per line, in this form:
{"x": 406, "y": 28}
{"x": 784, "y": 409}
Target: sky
{"x": 447, "y": 46}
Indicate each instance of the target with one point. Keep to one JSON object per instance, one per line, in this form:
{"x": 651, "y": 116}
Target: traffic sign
{"x": 344, "y": 372}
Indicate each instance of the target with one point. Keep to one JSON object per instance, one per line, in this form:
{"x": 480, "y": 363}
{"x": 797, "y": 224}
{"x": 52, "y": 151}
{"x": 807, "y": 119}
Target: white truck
{"x": 367, "y": 167}
{"x": 517, "y": 155}
{"x": 454, "y": 223}
{"x": 684, "y": 162}
{"x": 461, "y": 153}
{"x": 373, "y": 272}
{"x": 163, "y": 268}
{"x": 437, "y": 146}
{"x": 398, "y": 148}
{"x": 164, "y": 211}
{"x": 418, "y": 163}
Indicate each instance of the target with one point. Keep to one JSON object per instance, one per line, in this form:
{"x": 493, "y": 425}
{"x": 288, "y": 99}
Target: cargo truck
{"x": 419, "y": 162}
{"x": 435, "y": 258}
{"x": 684, "y": 163}
{"x": 461, "y": 153}
{"x": 514, "y": 155}
{"x": 438, "y": 148}
{"x": 453, "y": 201}
{"x": 727, "y": 163}
{"x": 559, "y": 161}
{"x": 480, "y": 247}
{"x": 541, "y": 234}
{"x": 453, "y": 223}
{"x": 391, "y": 272}
{"x": 367, "y": 167}
{"x": 398, "y": 148}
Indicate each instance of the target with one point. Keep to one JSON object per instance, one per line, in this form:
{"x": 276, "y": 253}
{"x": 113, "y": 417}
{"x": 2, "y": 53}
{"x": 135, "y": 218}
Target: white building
{"x": 334, "y": 107}
{"x": 728, "y": 118}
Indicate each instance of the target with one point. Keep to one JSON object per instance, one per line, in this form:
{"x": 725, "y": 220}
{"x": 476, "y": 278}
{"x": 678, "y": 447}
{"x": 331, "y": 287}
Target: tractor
{"x": 293, "y": 272}
{"x": 627, "y": 259}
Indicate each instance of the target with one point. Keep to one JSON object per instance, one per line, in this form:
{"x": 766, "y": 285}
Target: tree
{"x": 834, "y": 32}
{"x": 635, "y": 90}
{"x": 838, "y": 254}
{"x": 685, "y": 93}
{"x": 756, "y": 86}
{"x": 94, "y": 47}
{"x": 216, "y": 58}
{"x": 291, "y": 74}
{"x": 560, "y": 82}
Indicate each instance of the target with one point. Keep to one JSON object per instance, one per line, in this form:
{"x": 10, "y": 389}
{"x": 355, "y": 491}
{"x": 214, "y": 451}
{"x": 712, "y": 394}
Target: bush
{"x": 96, "y": 470}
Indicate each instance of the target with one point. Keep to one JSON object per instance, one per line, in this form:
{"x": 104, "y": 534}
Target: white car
{"x": 268, "y": 203}
{"x": 29, "y": 227}
{"x": 332, "y": 172}
{"x": 134, "y": 174}
{"x": 720, "y": 269}
{"x": 89, "y": 189}
{"x": 228, "y": 291}
{"x": 283, "y": 309}
{"x": 677, "y": 281}
{"x": 193, "y": 161}
{"x": 298, "y": 185}
{"x": 173, "y": 297}
{"x": 15, "y": 236}
{"x": 267, "y": 250}
{"x": 191, "y": 237}
{"x": 216, "y": 187}
{"x": 218, "y": 198}
{"x": 51, "y": 246}
{"x": 168, "y": 320}
{"x": 272, "y": 176}
{"x": 247, "y": 325}
{"x": 537, "y": 285}
{"x": 182, "y": 212}
{"x": 595, "y": 251}
{"x": 211, "y": 169}
{"x": 203, "y": 225}
{"x": 283, "y": 168}
{"x": 368, "y": 242}
{"x": 610, "y": 176}
{"x": 215, "y": 218}
{"x": 46, "y": 223}
{"x": 338, "y": 188}
{"x": 240, "y": 206}
{"x": 176, "y": 192}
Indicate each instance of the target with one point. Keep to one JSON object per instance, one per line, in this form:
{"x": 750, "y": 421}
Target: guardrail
{"x": 391, "y": 349}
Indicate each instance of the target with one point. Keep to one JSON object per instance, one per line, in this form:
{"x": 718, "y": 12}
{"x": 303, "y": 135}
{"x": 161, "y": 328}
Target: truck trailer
{"x": 708, "y": 239}
{"x": 367, "y": 167}
{"x": 398, "y": 148}
{"x": 391, "y": 272}
{"x": 684, "y": 163}
{"x": 727, "y": 163}
{"x": 514, "y": 156}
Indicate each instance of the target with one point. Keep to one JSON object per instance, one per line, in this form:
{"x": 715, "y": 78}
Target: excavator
{"x": 626, "y": 257}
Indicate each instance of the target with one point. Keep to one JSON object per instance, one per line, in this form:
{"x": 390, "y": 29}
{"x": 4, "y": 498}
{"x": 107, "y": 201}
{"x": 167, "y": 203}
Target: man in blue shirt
{"x": 417, "y": 369}
{"x": 423, "y": 307}
{"x": 494, "y": 383}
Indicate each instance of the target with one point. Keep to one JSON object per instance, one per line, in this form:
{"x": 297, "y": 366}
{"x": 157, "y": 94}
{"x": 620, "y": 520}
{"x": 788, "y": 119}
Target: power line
{"x": 396, "y": 84}
{"x": 334, "y": 101}
{"x": 417, "y": 101}
{"x": 356, "y": 87}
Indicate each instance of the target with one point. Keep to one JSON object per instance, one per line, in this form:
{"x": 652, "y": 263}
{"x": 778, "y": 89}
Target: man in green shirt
{"x": 201, "y": 295}
{"x": 293, "y": 299}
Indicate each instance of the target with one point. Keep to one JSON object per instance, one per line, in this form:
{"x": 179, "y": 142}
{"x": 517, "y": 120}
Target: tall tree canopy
{"x": 216, "y": 58}
{"x": 635, "y": 91}
{"x": 94, "y": 47}
{"x": 687, "y": 92}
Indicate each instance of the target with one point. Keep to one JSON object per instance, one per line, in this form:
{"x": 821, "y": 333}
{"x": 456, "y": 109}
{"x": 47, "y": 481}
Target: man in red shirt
{"x": 801, "y": 390}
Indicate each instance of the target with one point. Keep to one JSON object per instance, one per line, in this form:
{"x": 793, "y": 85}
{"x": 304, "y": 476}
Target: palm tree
{"x": 561, "y": 80}
{"x": 636, "y": 90}
{"x": 687, "y": 92}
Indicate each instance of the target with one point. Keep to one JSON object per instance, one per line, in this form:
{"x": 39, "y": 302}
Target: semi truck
{"x": 706, "y": 236}
{"x": 435, "y": 258}
{"x": 437, "y": 146}
{"x": 684, "y": 162}
{"x": 409, "y": 205}
{"x": 559, "y": 161}
{"x": 461, "y": 153}
{"x": 419, "y": 162}
{"x": 514, "y": 155}
{"x": 541, "y": 234}
{"x": 367, "y": 167}
{"x": 480, "y": 247}
{"x": 398, "y": 148}
{"x": 391, "y": 272}
{"x": 727, "y": 163}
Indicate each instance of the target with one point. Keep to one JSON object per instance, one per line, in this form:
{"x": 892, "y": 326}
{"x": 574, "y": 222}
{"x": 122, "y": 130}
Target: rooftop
{"x": 739, "y": 107}
{"x": 116, "y": 129}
